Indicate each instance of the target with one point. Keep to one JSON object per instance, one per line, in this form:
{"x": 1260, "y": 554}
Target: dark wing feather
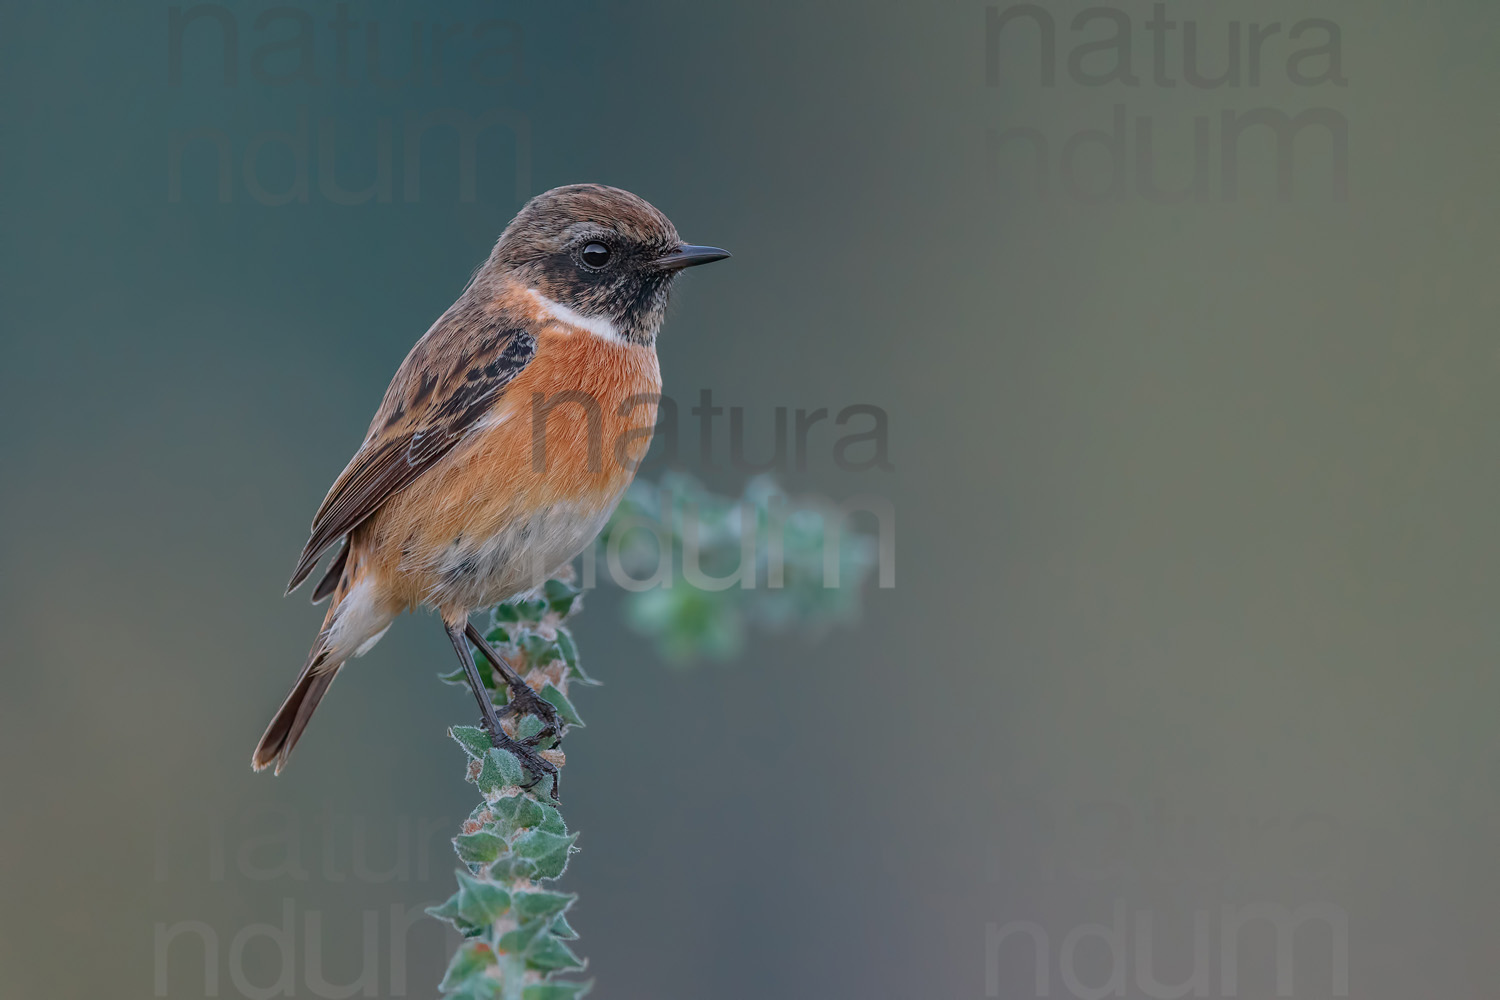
{"x": 452, "y": 378}
{"x": 335, "y": 573}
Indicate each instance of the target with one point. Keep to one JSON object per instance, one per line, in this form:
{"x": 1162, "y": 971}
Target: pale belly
{"x": 477, "y": 571}
{"x": 499, "y": 515}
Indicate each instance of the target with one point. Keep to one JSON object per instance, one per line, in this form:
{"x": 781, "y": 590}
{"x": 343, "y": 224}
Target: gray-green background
{"x": 1195, "y": 591}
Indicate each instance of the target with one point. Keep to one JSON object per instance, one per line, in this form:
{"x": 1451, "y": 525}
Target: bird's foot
{"x": 522, "y": 750}
{"x": 523, "y": 702}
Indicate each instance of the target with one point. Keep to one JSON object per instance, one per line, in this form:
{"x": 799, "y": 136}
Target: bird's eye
{"x": 595, "y": 255}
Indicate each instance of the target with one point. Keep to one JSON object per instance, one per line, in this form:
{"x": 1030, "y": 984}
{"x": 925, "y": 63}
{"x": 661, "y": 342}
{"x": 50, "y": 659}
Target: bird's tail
{"x": 296, "y": 711}
{"x": 353, "y": 624}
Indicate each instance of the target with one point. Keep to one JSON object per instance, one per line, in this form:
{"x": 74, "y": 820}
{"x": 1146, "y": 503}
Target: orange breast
{"x": 574, "y": 423}
{"x": 566, "y": 436}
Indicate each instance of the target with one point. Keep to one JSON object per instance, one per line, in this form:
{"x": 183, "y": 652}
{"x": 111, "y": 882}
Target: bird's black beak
{"x": 687, "y": 255}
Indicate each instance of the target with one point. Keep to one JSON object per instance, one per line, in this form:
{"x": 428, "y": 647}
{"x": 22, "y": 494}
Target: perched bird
{"x": 504, "y": 442}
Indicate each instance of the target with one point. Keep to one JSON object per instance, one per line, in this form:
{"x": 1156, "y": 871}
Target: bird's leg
{"x": 528, "y": 756}
{"x": 523, "y": 700}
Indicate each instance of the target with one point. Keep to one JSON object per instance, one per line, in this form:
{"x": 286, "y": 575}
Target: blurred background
{"x": 1186, "y": 685}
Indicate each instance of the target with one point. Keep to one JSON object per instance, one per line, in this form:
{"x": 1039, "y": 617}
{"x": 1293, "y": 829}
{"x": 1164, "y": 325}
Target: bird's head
{"x": 606, "y": 254}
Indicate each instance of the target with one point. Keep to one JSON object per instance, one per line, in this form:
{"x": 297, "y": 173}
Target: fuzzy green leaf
{"x": 450, "y": 912}
{"x": 563, "y": 929}
{"x": 546, "y": 850}
{"x": 490, "y": 776}
{"x": 470, "y": 961}
{"x": 520, "y": 812}
{"x": 565, "y": 710}
{"x": 497, "y": 636}
{"x": 447, "y": 909}
{"x": 499, "y": 770}
{"x": 549, "y": 954}
{"x": 530, "y": 905}
{"x": 475, "y": 741}
{"x": 508, "y": 869}
{"x": 551, "y": 820}
{"x": 510, "y": 768}
{"x": 479, "y": 848}
{"x": 520, "y": 940}
{"x": 481, "y": 902}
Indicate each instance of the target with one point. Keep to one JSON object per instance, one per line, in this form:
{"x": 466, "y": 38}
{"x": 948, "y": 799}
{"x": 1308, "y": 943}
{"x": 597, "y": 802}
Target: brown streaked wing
{"x": 451, "y": 379}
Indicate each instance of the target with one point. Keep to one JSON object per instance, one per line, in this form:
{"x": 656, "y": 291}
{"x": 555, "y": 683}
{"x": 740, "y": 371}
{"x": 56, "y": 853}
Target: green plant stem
{"x": 516, "y": 932}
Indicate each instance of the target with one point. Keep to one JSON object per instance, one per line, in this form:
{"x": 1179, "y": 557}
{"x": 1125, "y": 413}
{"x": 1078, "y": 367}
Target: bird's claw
{"x": 523, "y": 751}
{"x": 524, "y": 701}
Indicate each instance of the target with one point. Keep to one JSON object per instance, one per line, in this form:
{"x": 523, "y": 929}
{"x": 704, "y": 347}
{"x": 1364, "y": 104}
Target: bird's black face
{"x": 601, "y": 252}
{"x": 607, "y": 275}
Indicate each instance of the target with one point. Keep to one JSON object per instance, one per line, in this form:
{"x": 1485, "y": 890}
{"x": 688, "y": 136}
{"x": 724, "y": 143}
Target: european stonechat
{"x": 485, "y": 469}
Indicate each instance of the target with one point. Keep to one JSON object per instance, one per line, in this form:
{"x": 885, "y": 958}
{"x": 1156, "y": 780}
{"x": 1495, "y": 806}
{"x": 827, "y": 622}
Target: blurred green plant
{"x": 767, "y": 553}
{"x": 516, "y": 932}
